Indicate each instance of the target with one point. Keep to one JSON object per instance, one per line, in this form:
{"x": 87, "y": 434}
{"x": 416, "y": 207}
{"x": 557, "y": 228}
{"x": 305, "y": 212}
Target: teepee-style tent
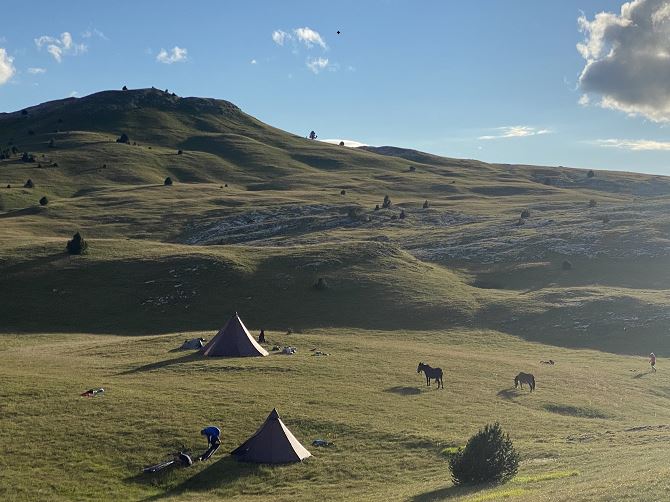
{"x": 233, "y": 340}
{"x": 272, "y": 443}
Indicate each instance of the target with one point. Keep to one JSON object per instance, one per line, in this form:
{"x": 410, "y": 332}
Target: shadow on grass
{"x": 219, "y": 474}
{"x": 403, "y": 391}
{"x": 642, "y": 374}
{"x": 164, "y": 364}
{"x": 449, "y": 492}
{"x": 508, "y": 394}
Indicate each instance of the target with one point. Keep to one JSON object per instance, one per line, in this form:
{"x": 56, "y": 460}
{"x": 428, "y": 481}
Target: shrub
{"x": 9, "y": 186}
{"x": 402, "y": 214}
{"x": 15, "y": 150}
{"x": 520, "y": 222}
{"x": 354, "y": 213}
{"x": 168, "y": 182}
{"x": 489, "y": 456}
{"x": 29, "y": 184}
{"x": 426, "y": 205}
{"x": 123, "y": 139}
{"x": 377, "y": 207}
{"x": 226, "y": 185}
{"x": 525, "y": 213}
{"x": 27, "y": 157}
{"x": 343, "y": 192}
{"x": 547, "y": 181}
{"x": 387, "y": 202}
{"x": 592, "y": 203}
{"x": 341, "y": 143}
{"x": 77, "y": 245}
{"x": 55, "y": 164}
{"x": 321, "y": 284}
{"x": 124, "y": 88}
{"x": 412, "y": 169}
{"x": 566, "y": 265}
{"x": 179, "y": 152}
{"x": 590, "y": 174}
{"x": 24, "y": 112}
{"x": 44, "y": 201}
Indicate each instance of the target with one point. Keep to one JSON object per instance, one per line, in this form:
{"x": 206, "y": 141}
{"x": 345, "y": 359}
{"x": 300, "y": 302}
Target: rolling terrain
{"x": 450, "y": 272}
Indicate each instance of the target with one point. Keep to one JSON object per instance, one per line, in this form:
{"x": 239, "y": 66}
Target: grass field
{"x": 594, "y": 429}
{"x": 256, "y": 216}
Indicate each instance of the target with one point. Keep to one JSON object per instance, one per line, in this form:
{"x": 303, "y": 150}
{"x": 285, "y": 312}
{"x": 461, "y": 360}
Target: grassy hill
{"x": 450, "y": 272}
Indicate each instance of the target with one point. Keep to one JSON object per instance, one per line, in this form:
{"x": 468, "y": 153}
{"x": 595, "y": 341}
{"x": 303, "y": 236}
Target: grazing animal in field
{"x": 431, "y": 373}
{"x": 523, "y": 378}
{"x": 550, "y": 361}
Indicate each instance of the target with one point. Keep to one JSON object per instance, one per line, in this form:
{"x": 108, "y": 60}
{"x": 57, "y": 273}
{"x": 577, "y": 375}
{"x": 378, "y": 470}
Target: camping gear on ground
{"x": 272, "y": 443}
{"x": 193, "y": 343}
{"x": 93, "y": 392}
{"x": 319, "y": 353}
{"x": 321, "y": 442}
{"x": 276, "y": 348}
{"x": 289, "y": 350}
{"x": 233, "y": 340}
{"x": 180, "y": 459}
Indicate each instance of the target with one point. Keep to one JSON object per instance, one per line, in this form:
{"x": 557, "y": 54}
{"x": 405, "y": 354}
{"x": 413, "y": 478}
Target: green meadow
{"x": 450, "y": 274}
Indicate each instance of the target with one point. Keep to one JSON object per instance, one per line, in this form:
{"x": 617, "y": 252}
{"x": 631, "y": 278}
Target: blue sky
{"x": 486, "y": 79}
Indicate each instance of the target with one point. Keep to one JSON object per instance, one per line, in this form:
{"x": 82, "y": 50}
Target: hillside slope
{"x": 268, "y": 213}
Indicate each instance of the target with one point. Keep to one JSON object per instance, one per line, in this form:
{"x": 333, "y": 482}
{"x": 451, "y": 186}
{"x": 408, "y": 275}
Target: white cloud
{"x": 280, "y": 36}
{"x": 635, "y": 145}
{"x": 175, "y": 55}
{"x": 515, "y": 132}
{"x": 628, "y": 58}
{"x": 253, "y": 61}
{"x": 584, "y": 100}
{"x": 347, "y": 142}
{"x": 36, "y": 71}
{"x": 317, "y": 64}
{"x": 309, "y": 37}
{"x": 7, "y": 69}
{"x": 59, "y": 47}
{"x": 73, "y": 94}
{"x": 94, "y": 32}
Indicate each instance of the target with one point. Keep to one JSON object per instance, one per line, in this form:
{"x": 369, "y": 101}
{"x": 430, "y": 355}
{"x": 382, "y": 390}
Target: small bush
{"x": 592, "y": 203}
{"x": 55, "y": 164}
{"x": 27, "y": 157}
{"x": 590, "y": 174}
{"x": 525, "y": 213}
{"x": 377, "y": 207}
{"x": 321, "y": 284}
{"x": 168, "y": 182}
{"x": 44, "y": 201}
{"x": 124, "y": 88}
{"x": 402, "y": 214}
{"x": 341, "y": 143}
{"x": 426, "y": 205}
{"x": 520, "y": 222}
{"x": 387, "y": 202}
{"x": 343, "y": 192}
{"x": 123, "y": 139}
{"x": 355, "y": 213}
{"x": 566, "y": 265}
{"x": 77, "y": 245}
{"x": 29, "y": 184}
{"x": 9, "y": 186}
{"x": 412, "y": 169}
{"x": 179, "y": 152}
{"x": 489, "y": 456}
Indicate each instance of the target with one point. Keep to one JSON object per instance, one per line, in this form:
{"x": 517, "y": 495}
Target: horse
{"x": 523, "y": 378}
{"x": 434, "y": 373}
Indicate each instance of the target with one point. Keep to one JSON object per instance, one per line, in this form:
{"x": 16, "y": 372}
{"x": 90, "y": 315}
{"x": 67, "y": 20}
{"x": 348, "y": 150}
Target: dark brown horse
{"x": 523, "y": 378}
{"x": 434, "y": 373}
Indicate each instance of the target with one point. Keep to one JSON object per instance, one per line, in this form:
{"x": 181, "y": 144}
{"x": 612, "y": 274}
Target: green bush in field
{"x": 44, "y": 201}
{"x": 77, "y": 245}
{"x": 489, "y": 456}
{"x": 168, "y": 182}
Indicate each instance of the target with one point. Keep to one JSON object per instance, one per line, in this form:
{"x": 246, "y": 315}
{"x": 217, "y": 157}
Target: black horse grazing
{"x": 523, "y": 378}
{"x": 434, "y": 373}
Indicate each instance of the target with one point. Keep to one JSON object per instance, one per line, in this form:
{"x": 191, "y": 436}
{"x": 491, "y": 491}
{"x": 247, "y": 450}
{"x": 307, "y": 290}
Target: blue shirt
{"x": 211, "y": 432}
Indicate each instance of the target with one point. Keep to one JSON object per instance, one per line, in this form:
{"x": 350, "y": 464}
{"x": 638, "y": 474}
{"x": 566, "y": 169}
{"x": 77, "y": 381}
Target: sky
{"x": 581, "y": 83}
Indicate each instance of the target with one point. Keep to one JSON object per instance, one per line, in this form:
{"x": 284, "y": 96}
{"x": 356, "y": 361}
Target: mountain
{"x": 257, "y": 216}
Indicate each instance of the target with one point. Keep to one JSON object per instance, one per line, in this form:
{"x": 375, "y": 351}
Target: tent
{"x": 233, "y": 340}
{"x": 272, "y": 443}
